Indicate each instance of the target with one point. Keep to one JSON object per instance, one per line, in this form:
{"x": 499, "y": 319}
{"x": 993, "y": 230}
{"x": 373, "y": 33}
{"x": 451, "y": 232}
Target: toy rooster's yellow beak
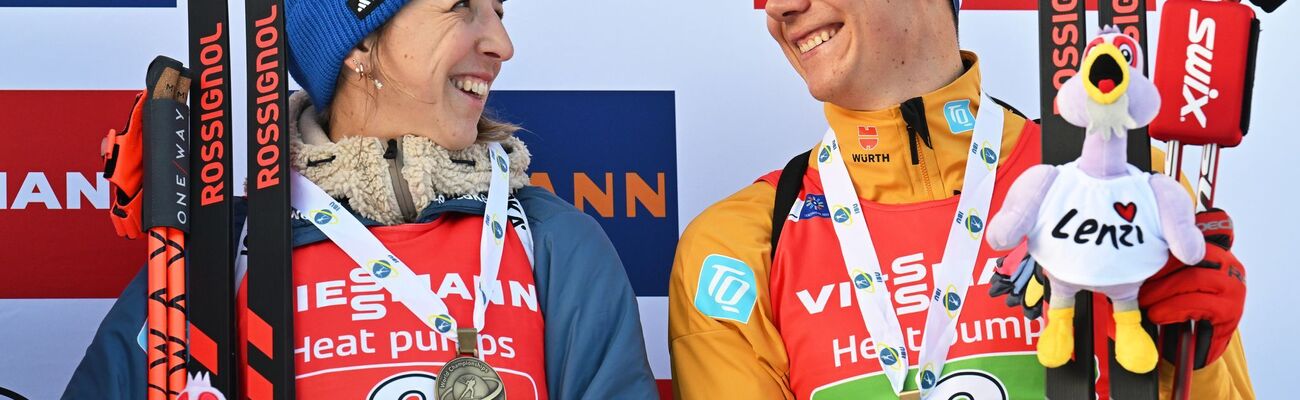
{"x": 1105, "y": 74}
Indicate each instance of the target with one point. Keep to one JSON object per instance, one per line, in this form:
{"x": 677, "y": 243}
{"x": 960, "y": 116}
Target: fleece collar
{"x": 356, "y": 170}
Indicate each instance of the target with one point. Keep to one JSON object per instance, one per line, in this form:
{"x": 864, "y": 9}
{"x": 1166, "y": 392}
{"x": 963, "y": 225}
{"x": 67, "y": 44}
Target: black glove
{"x": 1026, "y": 287}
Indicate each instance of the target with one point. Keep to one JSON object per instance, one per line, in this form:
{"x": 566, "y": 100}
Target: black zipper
{"x": 400, "y": 188}
{"x": 914, "y": 118}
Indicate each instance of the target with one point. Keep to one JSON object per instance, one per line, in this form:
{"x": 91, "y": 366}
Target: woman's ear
{"x": 361, "y": 56}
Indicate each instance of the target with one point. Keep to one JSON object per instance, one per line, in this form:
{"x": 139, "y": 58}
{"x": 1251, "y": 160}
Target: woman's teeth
{"x": 473, "y": 86}
{"x": 816, "y": 39}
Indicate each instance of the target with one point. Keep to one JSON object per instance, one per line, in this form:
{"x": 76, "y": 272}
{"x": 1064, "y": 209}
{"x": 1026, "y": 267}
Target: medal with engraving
{"x": 467, "y": 377}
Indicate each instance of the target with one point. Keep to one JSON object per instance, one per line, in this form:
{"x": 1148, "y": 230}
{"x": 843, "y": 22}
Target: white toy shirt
{"x": 1099, "y": 232}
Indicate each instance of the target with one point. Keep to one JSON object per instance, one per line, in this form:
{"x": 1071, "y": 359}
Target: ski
{"x": 1130, "y": 17}
{"x": 270, "y": 356}
{"x": 211, "y": 296}
{"x": 1062, "y": 28}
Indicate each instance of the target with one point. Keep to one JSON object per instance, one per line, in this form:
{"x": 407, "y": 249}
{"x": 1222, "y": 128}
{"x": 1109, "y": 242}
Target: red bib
{"x": 831, "y": 352}
{"x": 355, "y": 342}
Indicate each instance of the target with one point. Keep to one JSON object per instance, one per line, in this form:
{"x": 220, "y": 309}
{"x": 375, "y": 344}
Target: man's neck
{"x": 925, "y": 70}
{"x": 928, "y": 77}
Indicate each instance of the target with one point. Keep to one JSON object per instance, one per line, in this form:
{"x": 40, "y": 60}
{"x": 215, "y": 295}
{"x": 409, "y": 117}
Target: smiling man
{"x": 876, "y": 252}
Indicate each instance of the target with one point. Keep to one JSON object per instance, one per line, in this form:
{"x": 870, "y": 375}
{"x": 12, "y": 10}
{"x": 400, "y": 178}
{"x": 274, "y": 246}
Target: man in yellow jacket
{"x": 757, "y": 318}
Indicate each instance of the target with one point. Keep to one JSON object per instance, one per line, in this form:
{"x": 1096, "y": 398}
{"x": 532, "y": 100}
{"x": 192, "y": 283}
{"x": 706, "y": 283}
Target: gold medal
{"x": 467, "y": 377}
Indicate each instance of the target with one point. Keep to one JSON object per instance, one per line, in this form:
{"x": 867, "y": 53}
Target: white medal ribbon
{"x": 952, "y": 277}
{"x": 346, "y": 231}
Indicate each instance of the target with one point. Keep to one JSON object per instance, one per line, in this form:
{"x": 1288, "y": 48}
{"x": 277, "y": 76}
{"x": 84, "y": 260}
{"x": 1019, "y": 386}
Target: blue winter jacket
{"x": 594, "y": 348}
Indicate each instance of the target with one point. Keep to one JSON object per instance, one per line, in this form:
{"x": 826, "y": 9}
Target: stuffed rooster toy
{"x": 199, "y": 387}
{"x": 1098, "y": 223}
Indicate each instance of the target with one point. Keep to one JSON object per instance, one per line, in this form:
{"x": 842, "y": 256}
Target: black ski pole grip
{"x": 166, "y": 146}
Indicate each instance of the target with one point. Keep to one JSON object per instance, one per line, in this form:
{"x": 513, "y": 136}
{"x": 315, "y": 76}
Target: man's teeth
{"x": 471, "y": 85}
{"x": 816, "y": 39}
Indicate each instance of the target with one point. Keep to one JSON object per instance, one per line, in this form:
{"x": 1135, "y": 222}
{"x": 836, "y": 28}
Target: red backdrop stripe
{"x": 44, "y": 185}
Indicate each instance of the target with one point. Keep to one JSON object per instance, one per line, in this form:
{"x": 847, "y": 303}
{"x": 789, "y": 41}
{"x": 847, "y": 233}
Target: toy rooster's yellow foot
{"x": 1056, "y": 345}
{"x": 1133, "y": 347}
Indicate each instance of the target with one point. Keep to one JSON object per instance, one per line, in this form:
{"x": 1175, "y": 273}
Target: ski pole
{"x": 177, "y": 340}
{"x": 1198, "y": 113}
{"x": 1183, "y": 362}
{"x": 166, "y": 216}
{"x": 157, "y": 318}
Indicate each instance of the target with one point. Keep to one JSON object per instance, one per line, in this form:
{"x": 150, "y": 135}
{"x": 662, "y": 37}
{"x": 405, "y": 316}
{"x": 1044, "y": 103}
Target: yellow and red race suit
{"x": 743, "y": 326}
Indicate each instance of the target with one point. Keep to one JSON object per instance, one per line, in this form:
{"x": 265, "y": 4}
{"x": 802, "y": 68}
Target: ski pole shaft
{"x": 1184, "y": 361}
{"x": 177, "y": 346}
{"x": 157, "y": 317}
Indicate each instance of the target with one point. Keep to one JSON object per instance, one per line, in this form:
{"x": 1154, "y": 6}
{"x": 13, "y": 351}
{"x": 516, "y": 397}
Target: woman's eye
{"x": 460, "y": 4}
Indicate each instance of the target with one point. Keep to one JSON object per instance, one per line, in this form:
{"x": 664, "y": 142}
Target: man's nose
{"x": 785, "y": 10}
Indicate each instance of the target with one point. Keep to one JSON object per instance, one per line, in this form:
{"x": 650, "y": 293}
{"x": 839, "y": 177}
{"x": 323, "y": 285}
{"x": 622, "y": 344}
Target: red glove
{"x": 123, "y": 153}
{"x": 1211, "y": 293}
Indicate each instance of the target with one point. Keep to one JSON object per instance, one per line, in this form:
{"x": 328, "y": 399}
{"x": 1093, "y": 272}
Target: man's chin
{"x": 821, "y": 91}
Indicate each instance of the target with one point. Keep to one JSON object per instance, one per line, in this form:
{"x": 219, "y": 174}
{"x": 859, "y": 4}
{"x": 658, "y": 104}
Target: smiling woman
{"x": 390, "y": 136}
{"x": 437, "y": 63}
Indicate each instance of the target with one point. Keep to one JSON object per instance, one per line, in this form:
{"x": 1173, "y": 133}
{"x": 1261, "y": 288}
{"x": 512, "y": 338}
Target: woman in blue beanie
{"x": 390, "y": 124}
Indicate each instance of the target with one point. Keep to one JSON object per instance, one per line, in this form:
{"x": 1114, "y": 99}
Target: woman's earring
{"x": 361, "y": 73}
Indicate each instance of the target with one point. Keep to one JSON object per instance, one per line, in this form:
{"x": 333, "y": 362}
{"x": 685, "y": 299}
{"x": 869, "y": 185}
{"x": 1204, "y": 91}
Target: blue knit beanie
{"x": 322, "y": 32}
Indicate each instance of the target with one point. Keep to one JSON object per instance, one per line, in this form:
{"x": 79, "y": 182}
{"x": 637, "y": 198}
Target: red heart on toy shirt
{"x": 1126, "y": 211}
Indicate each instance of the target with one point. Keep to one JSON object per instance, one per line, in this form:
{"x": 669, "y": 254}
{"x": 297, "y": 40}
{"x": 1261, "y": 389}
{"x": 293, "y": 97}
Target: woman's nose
{"x": 496, "y": 41}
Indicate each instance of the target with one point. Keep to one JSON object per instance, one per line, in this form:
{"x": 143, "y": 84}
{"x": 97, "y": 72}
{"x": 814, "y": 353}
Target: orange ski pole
{"x": 157, "y": 317}
{"x": 149, "y": 183}
{"x": 177, "y": 349}
{"x": 165, "y": 215}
